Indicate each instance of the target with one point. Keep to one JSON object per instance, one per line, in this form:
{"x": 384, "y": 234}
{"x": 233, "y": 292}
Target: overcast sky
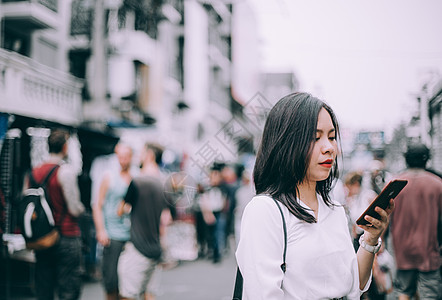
{"x": 366, "y": 58}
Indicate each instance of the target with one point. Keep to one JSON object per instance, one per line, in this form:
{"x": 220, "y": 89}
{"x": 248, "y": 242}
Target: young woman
{"x": 295, "y": 165}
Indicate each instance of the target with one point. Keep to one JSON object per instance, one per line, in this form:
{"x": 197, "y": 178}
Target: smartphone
{"x": 390, "y": 191}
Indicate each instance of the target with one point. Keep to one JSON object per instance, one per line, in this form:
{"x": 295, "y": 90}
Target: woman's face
{"x": 324, "y": 150}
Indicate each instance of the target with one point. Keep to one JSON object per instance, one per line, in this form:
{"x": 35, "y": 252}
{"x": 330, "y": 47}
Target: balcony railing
{"x": 34, "y": 90}
{"x": 51, "y": 4}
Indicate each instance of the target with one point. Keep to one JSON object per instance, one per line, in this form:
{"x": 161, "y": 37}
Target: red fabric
{"x": 69, "y": 224}
{"x": 414, "y": 222}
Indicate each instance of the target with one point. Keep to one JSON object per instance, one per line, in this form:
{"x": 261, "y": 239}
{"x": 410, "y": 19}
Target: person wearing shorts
{"x": 426, "y": 284}
{"x": 142, "y": 253}
{"x": 136, "y": 271}
{"x": 415, "y": 225}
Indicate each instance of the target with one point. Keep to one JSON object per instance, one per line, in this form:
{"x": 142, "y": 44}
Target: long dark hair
{"x": 285, "y": 152}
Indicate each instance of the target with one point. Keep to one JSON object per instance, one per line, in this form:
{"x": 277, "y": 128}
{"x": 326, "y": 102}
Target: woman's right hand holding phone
{"x": 375, "y": 227}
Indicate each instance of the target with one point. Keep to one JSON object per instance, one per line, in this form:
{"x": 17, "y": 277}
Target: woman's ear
{"x": 65, "y": 148}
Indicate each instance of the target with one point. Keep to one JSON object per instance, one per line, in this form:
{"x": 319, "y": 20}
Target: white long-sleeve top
{"x": 321, "y": 262}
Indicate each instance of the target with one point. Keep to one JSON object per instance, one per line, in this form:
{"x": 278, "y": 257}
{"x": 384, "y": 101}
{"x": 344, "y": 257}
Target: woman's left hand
{"x": 376, "y": 227}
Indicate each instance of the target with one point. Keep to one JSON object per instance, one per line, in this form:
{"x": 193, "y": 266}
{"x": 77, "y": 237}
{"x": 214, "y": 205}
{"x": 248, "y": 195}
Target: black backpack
{"x": 35, "y": 216}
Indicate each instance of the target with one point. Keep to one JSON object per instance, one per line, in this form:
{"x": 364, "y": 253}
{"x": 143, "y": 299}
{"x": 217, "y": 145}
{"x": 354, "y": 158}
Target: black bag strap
{"x": 237, "y": 291}
{"x": 284, "y": 226}
{"x": 44, "y": 182}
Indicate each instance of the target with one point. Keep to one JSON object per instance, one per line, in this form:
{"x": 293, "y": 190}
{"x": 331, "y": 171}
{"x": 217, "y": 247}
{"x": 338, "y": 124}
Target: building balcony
{"x": 29, "y": 15}
{"x": 33, "y": 90}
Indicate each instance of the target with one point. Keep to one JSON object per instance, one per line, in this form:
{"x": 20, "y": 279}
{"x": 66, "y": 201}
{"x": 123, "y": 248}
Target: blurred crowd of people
{"x": 148, "y": 219}
{"x": 409, "y": 262}
{"x": 204, "y": 218}
{"x": 163, "y": 217}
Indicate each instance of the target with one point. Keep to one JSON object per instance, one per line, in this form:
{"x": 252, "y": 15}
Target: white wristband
{"x": 372, "y": 249}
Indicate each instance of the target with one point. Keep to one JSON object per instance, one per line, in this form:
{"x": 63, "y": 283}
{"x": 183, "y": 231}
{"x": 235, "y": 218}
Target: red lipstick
{"x": 327, "y": 163}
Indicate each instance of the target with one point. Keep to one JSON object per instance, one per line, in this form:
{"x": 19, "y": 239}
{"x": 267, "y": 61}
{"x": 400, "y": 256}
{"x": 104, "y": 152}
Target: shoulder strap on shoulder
{"x": 284, "y": 226}
{"x": 33, "y": 183}
{"x": 48, "y": 176}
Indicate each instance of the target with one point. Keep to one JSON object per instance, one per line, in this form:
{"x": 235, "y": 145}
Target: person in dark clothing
{"x": 201, "y": 227}
{"x": 143, "y": 251}
{"x": 59, "y": 267}
{"x": 230, "y": 184}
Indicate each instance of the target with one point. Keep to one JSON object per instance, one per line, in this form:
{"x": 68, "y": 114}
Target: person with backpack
{"x": 300, "y": 247}
{"x": 58, "y": 268}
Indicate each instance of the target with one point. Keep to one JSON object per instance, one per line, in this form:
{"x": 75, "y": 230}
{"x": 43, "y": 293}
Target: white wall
{"x": 246, "y": 53}
{"x": 196, "y": 62}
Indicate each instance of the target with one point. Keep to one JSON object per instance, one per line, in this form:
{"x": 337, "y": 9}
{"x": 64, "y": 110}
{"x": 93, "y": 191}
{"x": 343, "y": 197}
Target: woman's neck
{"x": 307, "y": 194}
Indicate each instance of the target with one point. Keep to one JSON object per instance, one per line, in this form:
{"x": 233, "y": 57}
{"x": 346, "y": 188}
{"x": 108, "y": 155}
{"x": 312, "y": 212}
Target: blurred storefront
{"x": 36, "y": 98}
{"x": 110, "y": 70}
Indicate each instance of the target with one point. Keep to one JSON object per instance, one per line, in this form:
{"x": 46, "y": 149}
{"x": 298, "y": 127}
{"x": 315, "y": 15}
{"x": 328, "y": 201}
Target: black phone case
{"x": 390, "y": 191}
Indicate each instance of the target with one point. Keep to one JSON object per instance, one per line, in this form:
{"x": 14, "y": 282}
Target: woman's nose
{"x": 328, "y": 147}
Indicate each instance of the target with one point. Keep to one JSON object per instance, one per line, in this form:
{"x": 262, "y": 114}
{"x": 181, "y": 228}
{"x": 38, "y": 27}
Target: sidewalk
{"x": 199, "y": 280}
{"x": 192, "y": 280}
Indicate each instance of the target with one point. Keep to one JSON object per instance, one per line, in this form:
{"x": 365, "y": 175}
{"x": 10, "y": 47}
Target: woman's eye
{"x": 332, "y": 138}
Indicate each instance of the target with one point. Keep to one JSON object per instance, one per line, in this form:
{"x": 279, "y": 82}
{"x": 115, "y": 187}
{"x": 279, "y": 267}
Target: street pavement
{"x": 199, "y": 280}
{"x": 190, "y": 280}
